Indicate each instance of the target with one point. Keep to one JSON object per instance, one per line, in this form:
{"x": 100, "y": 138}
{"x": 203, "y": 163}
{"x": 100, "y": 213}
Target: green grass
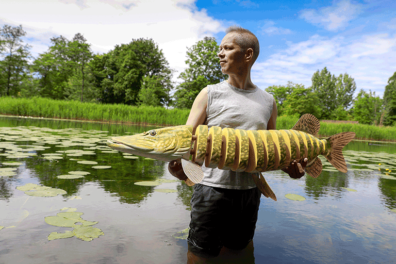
{"x": 43, "y": 107}
{"x": 368, "y": 132}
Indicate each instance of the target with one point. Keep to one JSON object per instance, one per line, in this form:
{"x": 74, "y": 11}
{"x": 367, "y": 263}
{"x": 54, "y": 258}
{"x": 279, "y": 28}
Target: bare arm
{"x": 272, "y": 121}
{"x": 198, "y": 110}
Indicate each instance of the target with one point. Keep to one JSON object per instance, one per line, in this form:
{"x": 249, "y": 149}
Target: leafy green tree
{"x": 119, "y": 74}
{"x": 153, "y": 93}
{"x": 80, "y": 53}
{"x": 390, "y": 101}
{"x": 203, "y": 69}
{"x": 14, "y": 64}
{"x": 324, "y": 85}
{"x": 280, "y": 94}
{"x": 345, "y": 88}
{"x": 64, "y": 60}
{"x": 366, "y": 107}
{"x": 301, "y": 101}
{"x": 333, "y": 92}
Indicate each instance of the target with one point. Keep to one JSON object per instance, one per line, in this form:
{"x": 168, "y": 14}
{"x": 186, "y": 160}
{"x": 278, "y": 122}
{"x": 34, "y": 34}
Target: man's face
{"x": 231, "y": 55}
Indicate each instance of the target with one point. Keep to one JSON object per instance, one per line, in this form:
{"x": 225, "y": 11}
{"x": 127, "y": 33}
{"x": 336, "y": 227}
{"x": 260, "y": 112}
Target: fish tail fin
{"x": 337, "y": 143}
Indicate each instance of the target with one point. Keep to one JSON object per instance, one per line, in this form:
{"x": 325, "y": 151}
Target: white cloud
{"x": 333, "y": 17}
{"x": 270, "y": 29}
{"x": 369, "y": 60}
{"x": 173, "y": 24}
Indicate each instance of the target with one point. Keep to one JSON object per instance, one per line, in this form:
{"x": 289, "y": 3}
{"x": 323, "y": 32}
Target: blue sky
{"x": 296, "y": 38}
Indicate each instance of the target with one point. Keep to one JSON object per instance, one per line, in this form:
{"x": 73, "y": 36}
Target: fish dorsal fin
{"x": 308, "y": 124}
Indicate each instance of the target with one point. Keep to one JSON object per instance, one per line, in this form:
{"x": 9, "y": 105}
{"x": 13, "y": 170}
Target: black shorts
{"x": 222, "y": 217}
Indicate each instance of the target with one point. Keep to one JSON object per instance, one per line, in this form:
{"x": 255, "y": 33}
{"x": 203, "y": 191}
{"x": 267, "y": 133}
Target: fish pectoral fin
{"x": 193, "y": 171}
{"x": 314, "y": 169}
{"x": 263, "y": 186}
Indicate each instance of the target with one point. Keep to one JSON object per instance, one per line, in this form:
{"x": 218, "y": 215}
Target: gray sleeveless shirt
{"x": 232, "y": 107}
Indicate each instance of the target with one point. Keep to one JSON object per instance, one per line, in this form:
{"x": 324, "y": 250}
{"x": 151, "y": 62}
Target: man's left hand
{"x": 296, "y": 168}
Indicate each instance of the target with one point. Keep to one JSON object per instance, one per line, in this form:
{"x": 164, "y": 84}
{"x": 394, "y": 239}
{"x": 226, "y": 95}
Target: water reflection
{"x": 330, "y": 226}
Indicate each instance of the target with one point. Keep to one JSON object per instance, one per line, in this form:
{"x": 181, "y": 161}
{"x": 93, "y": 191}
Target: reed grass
{"x": 43, "y": 107}
{"x": 159, "y": 116}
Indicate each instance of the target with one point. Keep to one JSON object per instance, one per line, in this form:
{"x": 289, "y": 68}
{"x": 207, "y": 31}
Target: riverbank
{"x": 43, "y": 108}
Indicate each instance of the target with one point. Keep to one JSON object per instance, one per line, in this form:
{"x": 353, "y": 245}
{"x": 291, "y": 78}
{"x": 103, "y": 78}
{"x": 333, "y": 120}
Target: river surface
{"x": 345, "y": 217}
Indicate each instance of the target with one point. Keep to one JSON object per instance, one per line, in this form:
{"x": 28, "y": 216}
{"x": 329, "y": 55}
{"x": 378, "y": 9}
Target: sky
{"x": 297, "y": 37}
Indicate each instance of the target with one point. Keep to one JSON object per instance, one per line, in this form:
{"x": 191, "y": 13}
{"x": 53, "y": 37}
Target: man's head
{"x": 239, "y": 49}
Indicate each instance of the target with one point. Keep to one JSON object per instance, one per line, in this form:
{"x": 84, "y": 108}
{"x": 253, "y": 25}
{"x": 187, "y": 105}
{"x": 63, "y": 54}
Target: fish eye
{"x": 152, "y": 133}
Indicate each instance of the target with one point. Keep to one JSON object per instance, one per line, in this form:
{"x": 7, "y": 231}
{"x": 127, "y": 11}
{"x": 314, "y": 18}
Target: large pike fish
{"x": 239, "y": 150}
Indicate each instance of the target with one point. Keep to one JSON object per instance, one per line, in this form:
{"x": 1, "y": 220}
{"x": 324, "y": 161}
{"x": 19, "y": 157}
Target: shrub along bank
{"x": 43, "y": 107}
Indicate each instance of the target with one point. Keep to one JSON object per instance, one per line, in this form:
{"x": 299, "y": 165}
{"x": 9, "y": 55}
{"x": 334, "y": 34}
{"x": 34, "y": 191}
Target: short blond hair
{"x": 246, "y": 39}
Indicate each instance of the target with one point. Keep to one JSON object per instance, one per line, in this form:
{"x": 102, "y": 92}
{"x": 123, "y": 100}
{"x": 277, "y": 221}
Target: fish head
{"x": 164, "y": 144}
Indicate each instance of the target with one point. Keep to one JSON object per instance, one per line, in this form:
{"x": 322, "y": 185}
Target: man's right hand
{"x": 175, "y": 168}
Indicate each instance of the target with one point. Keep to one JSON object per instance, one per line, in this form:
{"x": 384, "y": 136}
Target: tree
{"x": 323, "y": 84}
{"x": 333, "y": 92}
{"x": 80, "y": 54}
{"x": 64, "y": 60}
{"x": 280, "y": 94}
{"x": 366, "y": 107}
{"x": 152, "y": 92}
{"x": 390, "y": 101}
{"x": 203, "y": 69}
{"x": 301, "y": 101}
{"x": 15, "y": 54}
{"x": 119, "y": 74}
{"x": 345, "y": 87}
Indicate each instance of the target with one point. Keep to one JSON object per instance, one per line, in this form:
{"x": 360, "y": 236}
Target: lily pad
{"x": 1, "y": 227}
{"x": 10, "y": 163}
{"x": 131, "y": 157}
{"x": 149, "y": 159}
{"x": 182, "y": 234}
{"x": 69, "y": 209}
{"x": 87, "y": 162}
{"x": 165, "y": 190}
{"x": 295, "y": 197}
{"x": 101, "y": 167}
{"x": 79, "y": 172}
{"x": 41, "y": 191}
{"x": 70, "y": 176}
{"x": 7, "y": 173}
{"x": 166, "y": 180}
{"x": 147, "y": 183}
{"x": 56, "y": 235}
{"x": 87, "y": 233}
{"x": 349, "y": 189}
{"x": 67, "y": 219}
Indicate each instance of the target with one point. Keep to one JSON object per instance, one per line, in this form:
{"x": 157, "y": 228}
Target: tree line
{"x": 137, "y": 73}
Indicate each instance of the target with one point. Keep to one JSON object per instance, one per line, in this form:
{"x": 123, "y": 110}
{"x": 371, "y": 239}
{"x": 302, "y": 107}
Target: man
{"x": 225, "y": 204}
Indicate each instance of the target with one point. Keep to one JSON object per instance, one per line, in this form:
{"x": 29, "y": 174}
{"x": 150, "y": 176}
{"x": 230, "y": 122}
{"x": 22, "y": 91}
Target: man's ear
{"x": 249, "y": 54}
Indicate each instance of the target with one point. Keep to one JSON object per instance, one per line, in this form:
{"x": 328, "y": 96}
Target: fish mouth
{"x": 140, "y": 145}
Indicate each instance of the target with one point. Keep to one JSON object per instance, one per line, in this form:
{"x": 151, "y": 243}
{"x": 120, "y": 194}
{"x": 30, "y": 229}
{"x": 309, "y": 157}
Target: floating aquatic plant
{"x": 70, "y": 176}
{"x": 82, "y": 229}
{"x": 295, "y": 197}
{"x": 166, "y": 190}
{"x": 182, "y": 234}
{"x": 101, "y": 167}
{"x": 349, "y": 189}
{"x": 147, "y": 183}
{"x": 40, "y": 191}
{"x": 87, "y": 162}
{"x": 79, "y": 172}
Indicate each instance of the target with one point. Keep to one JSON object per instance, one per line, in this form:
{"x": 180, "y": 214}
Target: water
{"x": 333, "y": 225}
